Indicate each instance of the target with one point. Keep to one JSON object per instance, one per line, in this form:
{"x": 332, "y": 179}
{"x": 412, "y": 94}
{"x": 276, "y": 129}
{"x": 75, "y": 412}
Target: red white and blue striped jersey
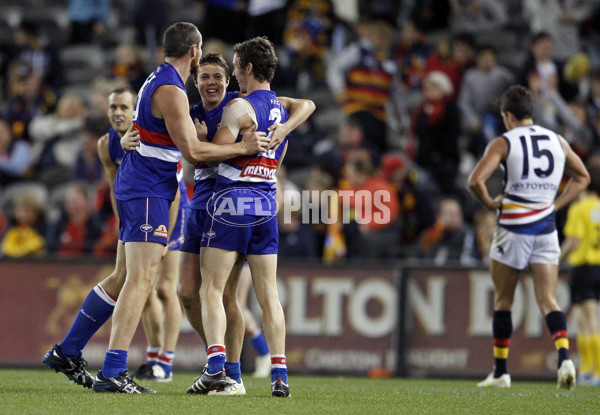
{"x": 115, "y": 151}
{"x": 533, "y": 171}
{"x": 205, "y": 176}
{"x": 243, "y": 176}
{"x": 150, "y": 171}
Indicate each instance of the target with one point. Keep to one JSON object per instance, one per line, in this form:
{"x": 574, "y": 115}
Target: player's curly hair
{"x": 517, "y": 100}
{"x": 258, "y": 51}
{"x": 179, "y": 38}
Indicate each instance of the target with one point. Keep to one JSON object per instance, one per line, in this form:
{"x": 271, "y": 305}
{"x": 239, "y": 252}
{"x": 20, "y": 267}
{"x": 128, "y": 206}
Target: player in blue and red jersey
{"x": 146, "y": 184}
{"x": 212, "y": 80}
{"x": 99, "y": 304}
{"x": 247, "y": 183}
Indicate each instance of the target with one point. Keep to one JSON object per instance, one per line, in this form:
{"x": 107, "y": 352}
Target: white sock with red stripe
{"x": 279, "y": 368}
{"x": 165, "y": 360}
{"x": 216, "y": 358}
{"x": 152, "y": 355}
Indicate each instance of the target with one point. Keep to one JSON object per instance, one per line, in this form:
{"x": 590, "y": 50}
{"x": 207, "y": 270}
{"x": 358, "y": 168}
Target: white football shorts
{"x": 517, "y": 250}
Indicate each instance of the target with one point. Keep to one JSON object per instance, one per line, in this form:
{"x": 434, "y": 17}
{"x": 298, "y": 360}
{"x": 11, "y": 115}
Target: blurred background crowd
{"x": 406, "y": 94}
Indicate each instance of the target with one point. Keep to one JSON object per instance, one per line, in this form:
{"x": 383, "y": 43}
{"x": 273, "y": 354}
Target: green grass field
{"x": 26, "y": 391}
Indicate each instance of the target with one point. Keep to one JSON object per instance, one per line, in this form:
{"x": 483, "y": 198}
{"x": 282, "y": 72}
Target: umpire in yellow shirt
{"x": 582, "y": 249}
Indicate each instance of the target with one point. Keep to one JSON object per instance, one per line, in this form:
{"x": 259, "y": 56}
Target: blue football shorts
{"x": 177, "y": 236}
{"x": 197, "y": 220}
{"x": 144, "y": 220}
{"x": 246, "y": 234}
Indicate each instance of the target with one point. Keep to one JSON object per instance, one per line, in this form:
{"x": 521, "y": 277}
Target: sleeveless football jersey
{"x": 115, "y": 151}
{"x": 150, "y": 170}
{"x": 532, "y": 173}
{"x": 205, "y": 176}
{"x": 247, "y": 183}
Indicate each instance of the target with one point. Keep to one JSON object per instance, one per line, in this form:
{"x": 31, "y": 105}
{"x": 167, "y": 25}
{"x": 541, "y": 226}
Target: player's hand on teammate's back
{"x": 201, "y": 130}
{"x": 131, "y": 139}
{"x": 280, "y": 132}
{"x": 255, "y": 141}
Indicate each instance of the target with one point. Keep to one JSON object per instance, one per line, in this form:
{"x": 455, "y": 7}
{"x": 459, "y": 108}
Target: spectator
{"x": 444, "y": 241}
{"x": 412, "y": 53}
{"x": 40, "y": 56}
{"x": 28, "y": 97}
{"x": 55, "y": 140}
{"x": 296, "y": 235}
{"x": 88, "y": 19}
{"x": 129, "y": 66}
{"x": 593, "y": 100}
{"x": 76, "y": 230}
{"x": 24, "y": 237}
{"x": 266, "y": 18}
{"x": 88, "y": 167}
{"x": 562, "y": 19}
{"x": 361, "y": 79}
{"x": 477, "y": 100}
{"x": 306, "y": 37}
{"x": 477, "y": 16}
{"x": 417, "y": 194}
{"x": 374, "y": 230}
{"x": 476, "y": 249}
{"x": 453, "y": 57}
{"x": 15, "y": 155}
{"x": 436, "y": 128}
{"x": 540, "y": 60}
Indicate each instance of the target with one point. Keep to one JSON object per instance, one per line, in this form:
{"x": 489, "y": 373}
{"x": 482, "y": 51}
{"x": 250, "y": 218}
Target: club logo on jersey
{"x": 161, "y": 231}
{"x": 146, "y": 228}
{"x": 259, "y": 170}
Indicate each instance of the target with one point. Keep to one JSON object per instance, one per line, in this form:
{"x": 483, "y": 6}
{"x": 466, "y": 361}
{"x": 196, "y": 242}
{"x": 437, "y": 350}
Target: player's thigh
{"x": 169, "y": 272}
{"x": 143, "y": 260}
{"x": 505, "y": 280}
{"x": 190, "y": 278}
{"x": 216, "y": 265}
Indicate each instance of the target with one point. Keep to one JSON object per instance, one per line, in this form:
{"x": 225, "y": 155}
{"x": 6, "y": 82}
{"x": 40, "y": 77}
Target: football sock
{"x": 259, "y": 342}
{"x": 557, "y": 324}
{"x": 501, "y": 330}
{"x": 115, "y": 362}
{"x": 216, "y": 358}
{"x": 584, "y": 349}
{"x": 234, "y": 371}
{"x": 279, "y": 368}
{"x": 152, "y": 355}
{"x": 96, "y": 309}
{"x": 594, "y": 348}
{"x": 165, "y": 360}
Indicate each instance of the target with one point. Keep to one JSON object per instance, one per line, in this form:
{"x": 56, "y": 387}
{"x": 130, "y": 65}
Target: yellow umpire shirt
{"x": 583, "y": 223}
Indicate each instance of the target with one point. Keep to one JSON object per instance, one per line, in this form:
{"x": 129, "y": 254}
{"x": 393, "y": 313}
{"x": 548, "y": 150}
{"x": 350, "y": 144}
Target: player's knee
{"x": 189, "y": 299}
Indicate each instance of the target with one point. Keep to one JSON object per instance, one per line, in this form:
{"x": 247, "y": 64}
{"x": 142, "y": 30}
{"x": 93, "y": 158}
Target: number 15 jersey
{"x": 533, "y": 171}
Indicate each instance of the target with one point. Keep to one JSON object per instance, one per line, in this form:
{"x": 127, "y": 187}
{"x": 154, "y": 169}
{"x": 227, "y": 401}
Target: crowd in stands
{"x": 406, "y": 93}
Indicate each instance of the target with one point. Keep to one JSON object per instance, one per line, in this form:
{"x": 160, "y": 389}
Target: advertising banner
{"x": 339, "y": 320}
{"x": 448, "y": 325}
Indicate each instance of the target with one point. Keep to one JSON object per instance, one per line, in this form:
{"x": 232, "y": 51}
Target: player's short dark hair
{"x": 258, "y": 51}
{"x": 179, "y": 38}
{"x": 594, "y": 185}
{"x": 215, "y": 59}
{"x": 122, "y": 90}
{"x": 519, "y": 101}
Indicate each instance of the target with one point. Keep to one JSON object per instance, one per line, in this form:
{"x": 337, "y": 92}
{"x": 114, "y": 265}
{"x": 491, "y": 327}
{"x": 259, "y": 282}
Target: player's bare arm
{"x": 579, "y": 178}
{"x": 299, "y": 111}
{"x": 495, "y": 152}
{"x": 171, "y": 104}
{"x": 569, "y": 245}
{"x": 110, "y": 170}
